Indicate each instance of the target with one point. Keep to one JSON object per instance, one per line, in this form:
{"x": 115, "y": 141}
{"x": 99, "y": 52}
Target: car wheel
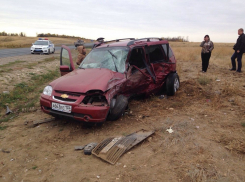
{"x": 172, "y": 84}
{"x": 32, "y": 53}
{"x": 118, "y": 106}
{"x": 48, "y": 52}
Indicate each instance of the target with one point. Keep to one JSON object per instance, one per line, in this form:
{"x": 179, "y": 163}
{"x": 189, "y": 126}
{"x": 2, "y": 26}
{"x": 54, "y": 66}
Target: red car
{"x": 110, "y": 74}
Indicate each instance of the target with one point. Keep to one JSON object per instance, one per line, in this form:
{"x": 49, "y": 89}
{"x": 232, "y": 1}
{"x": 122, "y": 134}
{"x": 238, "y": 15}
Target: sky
{"x": 114, "y": 19}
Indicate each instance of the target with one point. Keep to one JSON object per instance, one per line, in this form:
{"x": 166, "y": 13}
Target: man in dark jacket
{"x": 239, "y": 48}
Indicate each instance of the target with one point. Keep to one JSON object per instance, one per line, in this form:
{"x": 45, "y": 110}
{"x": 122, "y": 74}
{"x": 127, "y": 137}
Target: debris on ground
{"x": 170, "y": 130}
{"x": 8, "y": 111}
{"x": 38, "y": 122}
{"x": 111, "y": 149}
{"x": 80, "y": 147}
{"x": 5, "y": 151}
{"x": 88, "y": 148}
{"x": 161, "y": 97}
{"x": 5, "y": 92}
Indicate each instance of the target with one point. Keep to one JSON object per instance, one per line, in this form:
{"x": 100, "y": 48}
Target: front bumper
{"x": 79, "y": 112}
{"x": 39, "y": 50}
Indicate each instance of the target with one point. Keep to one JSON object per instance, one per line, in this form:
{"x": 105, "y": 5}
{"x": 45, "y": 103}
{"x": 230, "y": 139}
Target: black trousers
{"x": 205, "y": 60}
{"x": 237, "y": 56}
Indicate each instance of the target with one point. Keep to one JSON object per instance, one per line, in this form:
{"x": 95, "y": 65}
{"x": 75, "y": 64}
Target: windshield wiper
{"x": 113, "y": 55}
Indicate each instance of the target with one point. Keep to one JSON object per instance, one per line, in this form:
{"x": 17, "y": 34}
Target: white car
{"x": 42, "y": 46}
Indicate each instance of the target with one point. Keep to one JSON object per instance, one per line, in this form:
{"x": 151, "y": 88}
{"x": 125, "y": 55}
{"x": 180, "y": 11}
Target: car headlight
{"x": 47, "y": 90}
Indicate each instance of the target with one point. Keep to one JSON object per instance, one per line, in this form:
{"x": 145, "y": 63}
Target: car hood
{"x": 83, "y": 80}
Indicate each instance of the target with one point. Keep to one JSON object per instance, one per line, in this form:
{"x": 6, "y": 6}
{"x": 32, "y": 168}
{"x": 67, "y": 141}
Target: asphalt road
{"x": 21, "y": 51}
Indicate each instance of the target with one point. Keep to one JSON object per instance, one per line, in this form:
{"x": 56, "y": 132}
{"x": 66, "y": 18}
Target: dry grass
{"x": 191, "y": 51}
{"x": 17, "y": 42}
{"x": 203, "y": 80}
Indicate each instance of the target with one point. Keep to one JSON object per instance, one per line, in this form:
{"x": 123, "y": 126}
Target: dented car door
{"x": 138, "y": 76}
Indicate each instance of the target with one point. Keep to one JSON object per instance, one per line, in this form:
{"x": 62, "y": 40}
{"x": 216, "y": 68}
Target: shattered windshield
{"x": 41, "y": 43}
{"x": 112, "y": 58}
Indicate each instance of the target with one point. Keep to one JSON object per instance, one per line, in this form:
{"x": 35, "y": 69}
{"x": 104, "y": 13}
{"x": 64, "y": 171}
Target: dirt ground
{"x": 207, "y": 115}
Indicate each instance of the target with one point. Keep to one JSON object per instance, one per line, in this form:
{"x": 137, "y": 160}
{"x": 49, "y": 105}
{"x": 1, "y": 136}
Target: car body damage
{"x": 108, "y": 76}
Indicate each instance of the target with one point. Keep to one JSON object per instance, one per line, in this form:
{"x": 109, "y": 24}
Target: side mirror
{"x": 64, "y": 68}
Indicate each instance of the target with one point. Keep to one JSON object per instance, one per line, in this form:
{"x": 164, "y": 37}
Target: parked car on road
{"x": 109, "y": 75}
{"x": 42, "y": 46}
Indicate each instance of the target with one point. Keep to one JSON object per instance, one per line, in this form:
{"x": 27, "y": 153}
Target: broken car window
{"x": 156, "y": 54}
{"x": 137, "y": 58}
{"x": 112, "y": 58}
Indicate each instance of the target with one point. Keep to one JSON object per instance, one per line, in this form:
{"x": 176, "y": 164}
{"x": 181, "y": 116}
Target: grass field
{"x": 18, "y": 42}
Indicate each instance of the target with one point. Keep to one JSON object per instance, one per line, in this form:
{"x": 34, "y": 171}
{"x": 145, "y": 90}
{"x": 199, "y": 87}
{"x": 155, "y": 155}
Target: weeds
{"x": 6, "y": 70}
{"x": 203, "y": 80}
{"x": 26, "y": 94}
{"x": 243, "y": 124}
{"x": 11, "y": 63}
{"x": 49, "y": 59}
{"x": 3, "y": 127}
{"x": 34, "y": 167}
{"x": 7, "y": 118}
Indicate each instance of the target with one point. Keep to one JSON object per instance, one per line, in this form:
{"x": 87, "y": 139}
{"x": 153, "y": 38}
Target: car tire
{"x": 48, "y": 52}
{"x": 118, "y": 109}
{"x": 53, "y": 51}
{"x": 32, "y": 53}
{"x": 172, "y": 84}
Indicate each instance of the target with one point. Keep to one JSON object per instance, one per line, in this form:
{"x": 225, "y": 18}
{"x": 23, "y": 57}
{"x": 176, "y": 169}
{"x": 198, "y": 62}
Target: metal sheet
{"x": 112, "y": 149}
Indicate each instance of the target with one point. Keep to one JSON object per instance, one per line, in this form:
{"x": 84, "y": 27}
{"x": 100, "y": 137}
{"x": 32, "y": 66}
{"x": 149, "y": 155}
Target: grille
{"x": 74, "y": 94}
{"x": 65, "y": 100}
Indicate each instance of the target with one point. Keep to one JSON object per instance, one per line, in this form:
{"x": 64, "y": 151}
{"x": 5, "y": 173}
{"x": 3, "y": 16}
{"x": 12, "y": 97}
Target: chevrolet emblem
{"x": 64, "y": 96}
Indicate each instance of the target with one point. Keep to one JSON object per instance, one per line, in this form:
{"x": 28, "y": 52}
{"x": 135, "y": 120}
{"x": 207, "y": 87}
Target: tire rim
{"x": 176, "y": 84}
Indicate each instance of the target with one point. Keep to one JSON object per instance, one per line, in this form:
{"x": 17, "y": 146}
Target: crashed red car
{"x": 110, "y": 74}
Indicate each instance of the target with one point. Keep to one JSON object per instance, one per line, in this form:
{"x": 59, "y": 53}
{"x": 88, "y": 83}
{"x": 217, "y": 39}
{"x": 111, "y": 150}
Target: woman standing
{"x": 207, "y": 47}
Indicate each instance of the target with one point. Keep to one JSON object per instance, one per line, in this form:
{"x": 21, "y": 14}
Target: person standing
{"x": 239, "y": 49}
{"x": 207, "y": 47}
{"x": 81, "y": 54}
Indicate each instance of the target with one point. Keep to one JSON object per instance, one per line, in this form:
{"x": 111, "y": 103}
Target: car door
{"x": 170, "y": 64}
{"x": 159, "y": 61}
{"x": 66, "y": 62}
{"x": 138, "y": 75}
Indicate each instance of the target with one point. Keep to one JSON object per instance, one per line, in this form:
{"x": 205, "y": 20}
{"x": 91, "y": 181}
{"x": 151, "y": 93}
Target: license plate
{"x": 61, "y": 107}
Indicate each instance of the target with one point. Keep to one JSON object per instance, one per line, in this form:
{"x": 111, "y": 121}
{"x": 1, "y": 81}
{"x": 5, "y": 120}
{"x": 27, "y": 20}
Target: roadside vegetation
{"x": 21, "y": 41}
{"x": 56, "y": 35}
{"x": 25, "y": 95}
{"x": 21, "y": 34}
